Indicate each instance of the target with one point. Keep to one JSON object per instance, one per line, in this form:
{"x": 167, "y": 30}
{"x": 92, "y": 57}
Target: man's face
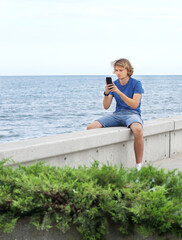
{"x": 121, "y": 72}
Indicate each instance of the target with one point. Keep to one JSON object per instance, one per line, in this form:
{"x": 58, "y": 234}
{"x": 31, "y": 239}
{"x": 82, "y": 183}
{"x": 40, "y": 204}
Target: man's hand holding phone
{"x": 110, "y": 86}
{"x": 109, "y": 83}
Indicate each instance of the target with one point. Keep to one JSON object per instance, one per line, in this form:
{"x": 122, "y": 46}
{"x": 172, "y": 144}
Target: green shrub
{"x": 148, "y": 201}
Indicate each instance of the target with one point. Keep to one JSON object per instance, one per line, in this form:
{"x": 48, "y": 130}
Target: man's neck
{"x": 124, "y": 81}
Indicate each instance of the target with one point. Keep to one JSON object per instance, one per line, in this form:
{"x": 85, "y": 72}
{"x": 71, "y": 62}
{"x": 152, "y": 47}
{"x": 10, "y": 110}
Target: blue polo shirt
{"x": 133, "y": 86}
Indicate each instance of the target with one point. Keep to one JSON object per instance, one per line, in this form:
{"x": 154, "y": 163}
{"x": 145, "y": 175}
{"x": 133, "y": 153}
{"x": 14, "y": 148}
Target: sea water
{"x": 37, "y": 106}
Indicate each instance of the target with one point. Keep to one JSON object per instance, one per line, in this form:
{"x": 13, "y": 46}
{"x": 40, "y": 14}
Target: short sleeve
{"x": 138, "y": 88}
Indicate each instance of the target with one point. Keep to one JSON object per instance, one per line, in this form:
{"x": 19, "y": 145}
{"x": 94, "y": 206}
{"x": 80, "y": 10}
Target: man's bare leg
{"x": 94, "y": 125}
{"x": 138, "y": 141}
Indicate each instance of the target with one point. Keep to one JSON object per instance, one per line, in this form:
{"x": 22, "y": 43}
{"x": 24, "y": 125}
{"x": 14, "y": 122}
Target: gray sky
{"x": 55, "y": 37}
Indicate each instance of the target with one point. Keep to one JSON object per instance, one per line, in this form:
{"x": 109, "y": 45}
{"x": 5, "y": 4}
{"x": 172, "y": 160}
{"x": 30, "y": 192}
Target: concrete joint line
{"x": 170, "y": 144}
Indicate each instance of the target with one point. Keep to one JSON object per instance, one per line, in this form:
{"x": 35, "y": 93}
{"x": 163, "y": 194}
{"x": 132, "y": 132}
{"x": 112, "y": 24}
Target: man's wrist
{"x": 106, "y": 94}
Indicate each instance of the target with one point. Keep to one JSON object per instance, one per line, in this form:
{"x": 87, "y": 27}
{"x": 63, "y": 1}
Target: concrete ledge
{"x": 158, "y": 126}
{"x": 46, "y": 147}
{"x": 162, "y": 138}
{"x": 177, "y": 122}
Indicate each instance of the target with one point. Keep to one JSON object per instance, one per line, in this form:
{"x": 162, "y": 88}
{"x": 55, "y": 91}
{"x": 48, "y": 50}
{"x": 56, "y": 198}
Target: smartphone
{"x": 109, "y": 80}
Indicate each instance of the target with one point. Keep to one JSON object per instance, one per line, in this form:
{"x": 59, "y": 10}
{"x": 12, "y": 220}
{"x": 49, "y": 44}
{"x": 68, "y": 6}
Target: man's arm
{"x": 131, "y": 102}
{"x": 107, "y": 101}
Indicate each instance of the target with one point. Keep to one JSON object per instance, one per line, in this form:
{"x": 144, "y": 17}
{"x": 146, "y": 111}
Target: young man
{"x": 127, "y": 92}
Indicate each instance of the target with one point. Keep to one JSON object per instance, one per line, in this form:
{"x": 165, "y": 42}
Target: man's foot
{"x": 138, "y": 166}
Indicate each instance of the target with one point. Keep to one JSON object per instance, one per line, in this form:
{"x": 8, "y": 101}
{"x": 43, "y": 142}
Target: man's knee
{"x": 137, "y": 129}
{"x": 94, "y": 125}
{"x": 90, "y": 126}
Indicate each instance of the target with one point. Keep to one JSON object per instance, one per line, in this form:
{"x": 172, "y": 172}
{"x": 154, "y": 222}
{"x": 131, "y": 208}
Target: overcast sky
{"x": 56, "y": 37}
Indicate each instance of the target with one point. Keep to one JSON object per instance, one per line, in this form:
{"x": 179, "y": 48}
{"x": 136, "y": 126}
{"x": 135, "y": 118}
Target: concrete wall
{"x": 24, "y": 231}
{"x": 162, "y": 139}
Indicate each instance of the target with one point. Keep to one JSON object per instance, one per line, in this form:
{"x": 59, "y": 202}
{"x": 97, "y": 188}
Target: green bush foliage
{"x": 148, "y": 201}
